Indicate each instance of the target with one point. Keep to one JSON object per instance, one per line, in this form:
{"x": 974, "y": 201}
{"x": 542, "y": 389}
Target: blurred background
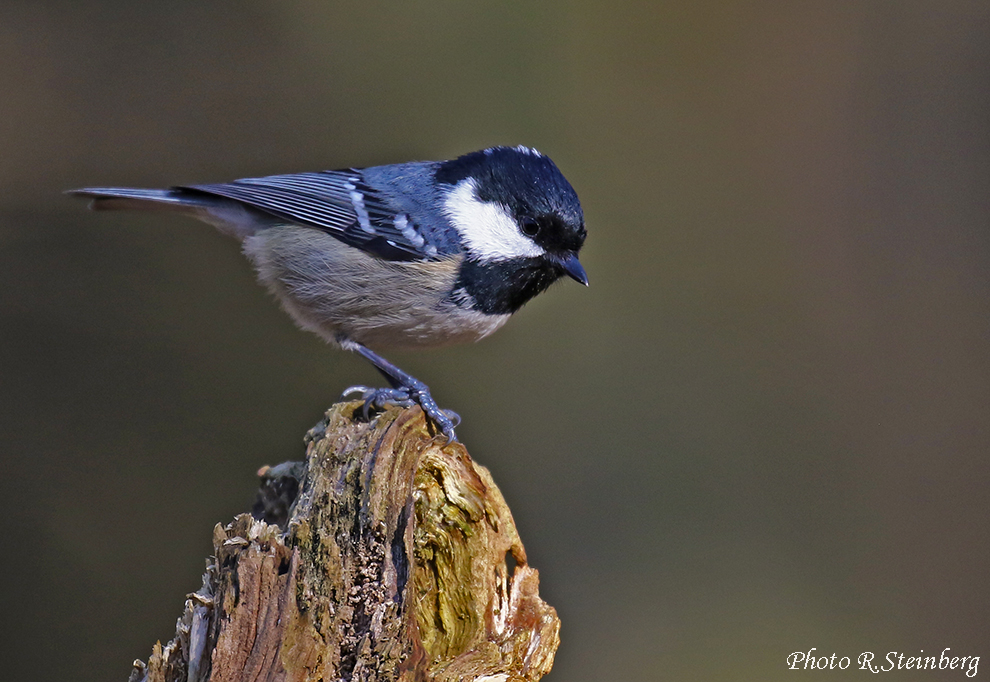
{"x": 765, "y": 427}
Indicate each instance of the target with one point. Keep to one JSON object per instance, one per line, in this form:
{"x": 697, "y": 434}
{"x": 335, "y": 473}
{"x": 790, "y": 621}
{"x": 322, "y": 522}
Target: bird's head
{"x": 519, "y": 221}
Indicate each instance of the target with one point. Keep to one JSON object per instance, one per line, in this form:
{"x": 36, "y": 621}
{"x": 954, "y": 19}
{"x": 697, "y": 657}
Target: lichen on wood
{"x": 385, "y": 556}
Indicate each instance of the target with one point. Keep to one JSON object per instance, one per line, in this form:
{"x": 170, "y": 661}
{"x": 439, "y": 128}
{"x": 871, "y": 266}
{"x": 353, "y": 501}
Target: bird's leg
{"x": 406, "y": 390}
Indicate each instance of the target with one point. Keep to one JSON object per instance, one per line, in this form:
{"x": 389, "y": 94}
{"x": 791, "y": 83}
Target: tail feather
{"x": 119, "y": 198}
{"x": 228, "y": 216}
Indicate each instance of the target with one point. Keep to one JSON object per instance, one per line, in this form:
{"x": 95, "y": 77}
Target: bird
{"x": 402, "y": 256}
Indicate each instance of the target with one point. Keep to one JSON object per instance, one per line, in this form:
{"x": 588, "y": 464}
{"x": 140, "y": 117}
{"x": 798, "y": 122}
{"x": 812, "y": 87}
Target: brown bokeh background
{"x": 765, "y": 427}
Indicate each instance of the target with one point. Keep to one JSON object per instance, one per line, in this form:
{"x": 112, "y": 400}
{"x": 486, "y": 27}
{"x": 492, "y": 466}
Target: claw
{"x": 383, "y": 397}
{"x": 348, "y": 392}
{"x": 406, "y": 391}
{"x": 376, "y": 399}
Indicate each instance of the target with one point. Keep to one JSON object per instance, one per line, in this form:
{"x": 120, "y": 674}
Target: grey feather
{"x": 230, "y": 217}
{"x": 344, "y": 204}
{"x": 344, "y": 293}
{"x": 112, "y": 198}
{"x": 375, "y": 209}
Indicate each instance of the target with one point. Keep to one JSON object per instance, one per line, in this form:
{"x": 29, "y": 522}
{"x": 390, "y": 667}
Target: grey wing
{"x": 338, "y": 202}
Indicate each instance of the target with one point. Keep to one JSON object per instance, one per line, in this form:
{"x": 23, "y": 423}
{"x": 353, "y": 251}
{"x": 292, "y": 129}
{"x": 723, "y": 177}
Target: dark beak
{"x": 572, "y": 266}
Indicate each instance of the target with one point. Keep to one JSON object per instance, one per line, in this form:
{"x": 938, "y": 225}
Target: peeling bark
{"x": 382, "y": 557}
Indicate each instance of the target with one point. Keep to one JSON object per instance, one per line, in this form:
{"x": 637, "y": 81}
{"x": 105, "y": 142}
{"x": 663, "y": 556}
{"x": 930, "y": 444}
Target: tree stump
{"x": 383, "y": 556}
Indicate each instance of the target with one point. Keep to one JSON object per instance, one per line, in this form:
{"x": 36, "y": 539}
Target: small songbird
{"x": 411, "y": 255}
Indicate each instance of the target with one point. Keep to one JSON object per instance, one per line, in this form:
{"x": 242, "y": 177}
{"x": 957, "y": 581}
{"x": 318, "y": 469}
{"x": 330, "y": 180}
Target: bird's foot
{"x": 377, "y": 399}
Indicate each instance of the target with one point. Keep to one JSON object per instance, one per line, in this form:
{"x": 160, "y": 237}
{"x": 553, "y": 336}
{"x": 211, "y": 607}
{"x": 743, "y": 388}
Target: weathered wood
{"x": 384, "y": 557}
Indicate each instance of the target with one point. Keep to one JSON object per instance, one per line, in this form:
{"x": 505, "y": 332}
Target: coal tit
{"x": 409, "y": 255}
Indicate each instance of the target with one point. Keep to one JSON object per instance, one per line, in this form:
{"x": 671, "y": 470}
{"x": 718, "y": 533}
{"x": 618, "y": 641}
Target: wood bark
{"x": 384, "y": 556}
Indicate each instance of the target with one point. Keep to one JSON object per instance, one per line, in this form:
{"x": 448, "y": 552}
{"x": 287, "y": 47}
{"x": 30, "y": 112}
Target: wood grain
{"x": 386, "y": 556}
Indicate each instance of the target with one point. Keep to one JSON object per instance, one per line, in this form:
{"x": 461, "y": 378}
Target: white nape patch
{"x": 357, "y": 200}
{"x": 528, "y": 150}
{"x": 489, "y": 232}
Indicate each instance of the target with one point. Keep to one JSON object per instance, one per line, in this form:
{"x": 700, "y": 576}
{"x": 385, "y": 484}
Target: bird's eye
{"x": 530, "y": 227}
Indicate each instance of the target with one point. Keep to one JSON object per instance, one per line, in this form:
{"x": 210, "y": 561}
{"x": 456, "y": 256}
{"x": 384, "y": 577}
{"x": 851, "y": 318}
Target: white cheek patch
{"x": 489, "y": 232}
